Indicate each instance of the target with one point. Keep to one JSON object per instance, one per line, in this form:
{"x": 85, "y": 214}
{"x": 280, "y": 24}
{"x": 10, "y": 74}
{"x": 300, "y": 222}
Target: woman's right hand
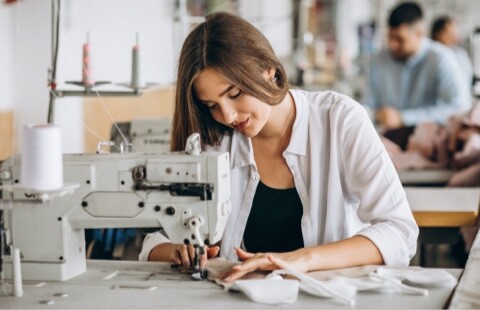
{"x": 181, "y": 254}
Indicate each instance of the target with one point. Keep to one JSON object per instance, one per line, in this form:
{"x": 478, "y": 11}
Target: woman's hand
{"x": 353, "y": 251}
{"x": 266, "y": 261}
{"x": 181, "y": 254}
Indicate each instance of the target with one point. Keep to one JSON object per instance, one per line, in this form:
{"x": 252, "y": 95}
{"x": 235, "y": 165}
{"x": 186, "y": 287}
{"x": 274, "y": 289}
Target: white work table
{"x": 425, "y": 176}
{"x": 438, "y": 210}
{"x": 434, "y": 205}
{"x": 154, "y": 285}
{"x": 444, "y": 207}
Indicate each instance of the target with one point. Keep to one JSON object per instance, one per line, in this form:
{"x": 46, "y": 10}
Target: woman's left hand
{"x": 266, "y": 261}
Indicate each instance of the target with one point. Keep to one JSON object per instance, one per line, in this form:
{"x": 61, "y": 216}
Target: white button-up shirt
{"x": 344, "y": 177}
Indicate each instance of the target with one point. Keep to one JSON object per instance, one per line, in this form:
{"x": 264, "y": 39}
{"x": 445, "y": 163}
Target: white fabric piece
{"x": 340, "y": 285}
{"x": 403, "y": 288}
{"x": 419, "y": 277}
{"x": 382, "y": 280}
{"x": 363, "y": 284}
{"x": 352, "y": 272}
{"x": 268, "y": 291}
{"x": 340, "y": 292}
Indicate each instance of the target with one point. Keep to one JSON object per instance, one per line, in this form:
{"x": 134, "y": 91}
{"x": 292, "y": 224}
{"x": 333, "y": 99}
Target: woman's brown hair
{"x": 237, "y": 50}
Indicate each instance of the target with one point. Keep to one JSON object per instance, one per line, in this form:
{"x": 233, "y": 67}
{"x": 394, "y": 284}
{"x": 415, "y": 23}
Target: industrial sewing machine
{"x": 188, "y": 195}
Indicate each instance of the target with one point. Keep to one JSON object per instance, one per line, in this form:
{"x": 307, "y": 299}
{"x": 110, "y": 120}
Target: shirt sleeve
{"x": 452, "y": 93}
{"x": 373, "y": 182}
{"x": 151, "y": 241}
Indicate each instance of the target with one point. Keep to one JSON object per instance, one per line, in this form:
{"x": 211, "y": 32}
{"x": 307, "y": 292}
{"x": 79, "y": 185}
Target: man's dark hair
{"x": 439, "y": 25}
{"x": 405, "y": 13}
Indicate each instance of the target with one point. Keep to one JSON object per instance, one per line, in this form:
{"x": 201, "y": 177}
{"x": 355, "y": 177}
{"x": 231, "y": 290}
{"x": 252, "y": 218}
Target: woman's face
{"x": 229, "y": 105}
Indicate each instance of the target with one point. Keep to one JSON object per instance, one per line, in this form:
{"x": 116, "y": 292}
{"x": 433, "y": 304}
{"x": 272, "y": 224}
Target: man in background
{"x": 445, "y": 31}
{"x": 414, "y": 79}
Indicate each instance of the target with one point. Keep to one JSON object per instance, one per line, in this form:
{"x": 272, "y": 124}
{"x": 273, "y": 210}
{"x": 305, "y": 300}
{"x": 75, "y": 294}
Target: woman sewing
{"x": 312, "y": 185}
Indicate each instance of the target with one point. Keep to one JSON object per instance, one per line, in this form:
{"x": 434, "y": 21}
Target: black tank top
{"x": 274, "y": 223}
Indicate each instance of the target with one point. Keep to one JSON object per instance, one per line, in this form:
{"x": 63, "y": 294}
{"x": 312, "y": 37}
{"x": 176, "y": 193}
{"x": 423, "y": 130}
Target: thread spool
{"x": 137, "y": 80}
{"x": 87, "y": 75}
{"x": 41, "y": 160}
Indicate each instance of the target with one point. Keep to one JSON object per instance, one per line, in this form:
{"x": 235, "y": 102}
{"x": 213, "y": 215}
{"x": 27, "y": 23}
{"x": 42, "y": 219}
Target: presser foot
{"x": 195, "y": 270}
{"x": 197, "y": 274}
{"x": 200, "y": 275}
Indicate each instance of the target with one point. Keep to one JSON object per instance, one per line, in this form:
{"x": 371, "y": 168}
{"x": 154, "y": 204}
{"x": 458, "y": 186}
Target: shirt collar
{"x": 241, "y": 150}
{"x": 298, "y": 141}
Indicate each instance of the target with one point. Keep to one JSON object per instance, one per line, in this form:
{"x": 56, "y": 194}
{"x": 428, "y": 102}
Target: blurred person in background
{"x": 414, "y": 79}
{"x": 445, "y": 30}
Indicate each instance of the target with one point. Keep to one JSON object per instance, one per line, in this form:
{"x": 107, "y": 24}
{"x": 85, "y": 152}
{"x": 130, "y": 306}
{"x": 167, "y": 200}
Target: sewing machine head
{"x": 187, "y": 195}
